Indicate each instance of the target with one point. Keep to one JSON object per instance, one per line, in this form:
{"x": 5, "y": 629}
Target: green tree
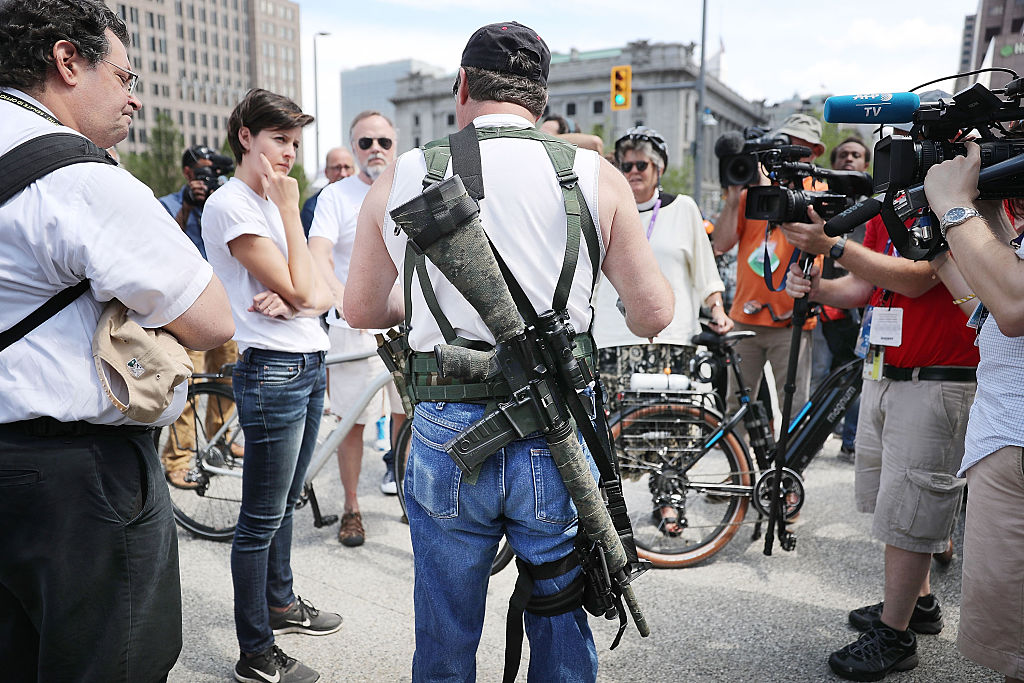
{"x": 831, "y": 135}
{"x": 299, "y": 173}
{"x": 159, "y": 166}
{"x": 679, "y": 179}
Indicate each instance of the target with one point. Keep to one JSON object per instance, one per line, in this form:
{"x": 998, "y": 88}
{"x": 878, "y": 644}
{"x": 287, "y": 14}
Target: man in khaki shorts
{"x": 992, "y": 613}
{"x": 918, "y": 388}
{"x": 372, "y": 138}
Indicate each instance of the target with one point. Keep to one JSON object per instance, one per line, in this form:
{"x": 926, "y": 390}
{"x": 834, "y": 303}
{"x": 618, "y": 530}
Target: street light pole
{"x": 698, "y": 129}
{"x": 316, "y": 103}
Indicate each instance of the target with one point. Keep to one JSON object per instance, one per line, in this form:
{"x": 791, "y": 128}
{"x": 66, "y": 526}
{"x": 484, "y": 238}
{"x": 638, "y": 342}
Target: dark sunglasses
{"x": 627, "y": 166}
{"x": 367, "y": 143}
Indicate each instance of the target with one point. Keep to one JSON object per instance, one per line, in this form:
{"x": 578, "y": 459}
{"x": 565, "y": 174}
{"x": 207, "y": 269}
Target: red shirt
{"x": 934, "y": 328}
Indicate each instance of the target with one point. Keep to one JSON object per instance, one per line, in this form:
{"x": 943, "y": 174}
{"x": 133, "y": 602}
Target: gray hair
{"x": 640, "y": 147}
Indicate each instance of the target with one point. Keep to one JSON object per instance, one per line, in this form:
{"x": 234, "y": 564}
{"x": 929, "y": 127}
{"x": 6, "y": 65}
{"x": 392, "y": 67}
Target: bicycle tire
{"x": 401, "y": 447}
{"x": 210, "y": 510}
{"x": 652, "y": 441}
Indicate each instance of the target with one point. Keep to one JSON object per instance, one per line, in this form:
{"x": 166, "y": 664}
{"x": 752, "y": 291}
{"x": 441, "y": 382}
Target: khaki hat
{"x": 805, "y": 127}
{"x": 151, "y": 363}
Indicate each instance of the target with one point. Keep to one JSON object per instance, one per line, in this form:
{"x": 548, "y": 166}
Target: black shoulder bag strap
{"x": 19, "y": 168}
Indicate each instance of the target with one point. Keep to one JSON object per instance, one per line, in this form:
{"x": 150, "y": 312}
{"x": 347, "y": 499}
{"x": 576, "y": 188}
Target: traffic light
{"x": 622, "y": 87}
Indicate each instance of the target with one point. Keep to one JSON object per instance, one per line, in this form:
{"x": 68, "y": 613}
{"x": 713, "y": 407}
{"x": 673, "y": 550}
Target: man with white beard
{"x": 372, "y": 138}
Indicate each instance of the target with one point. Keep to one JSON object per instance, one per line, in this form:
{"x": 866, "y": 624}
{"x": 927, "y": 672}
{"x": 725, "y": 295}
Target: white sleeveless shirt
{"x": 522, "y": 212}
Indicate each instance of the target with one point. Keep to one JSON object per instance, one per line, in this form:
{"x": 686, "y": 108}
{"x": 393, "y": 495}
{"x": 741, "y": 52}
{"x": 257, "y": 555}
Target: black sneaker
{"x": 302, "y": 617}
{"x": 273, "y": 666}
{"x": 926, "y": 618}
{"x": 847, "y": 455}
{"x": 875, "y": 654}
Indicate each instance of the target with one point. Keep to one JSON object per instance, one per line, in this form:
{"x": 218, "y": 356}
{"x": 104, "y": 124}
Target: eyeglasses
{"x": 337, "y": 168}
{"x": 627, "y": 166}
{"x": 367, "y": 143}
{"x": 129, "y": 82}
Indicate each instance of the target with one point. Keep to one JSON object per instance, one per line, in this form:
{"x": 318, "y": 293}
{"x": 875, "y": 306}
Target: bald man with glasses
{"x": 372, "y": 138}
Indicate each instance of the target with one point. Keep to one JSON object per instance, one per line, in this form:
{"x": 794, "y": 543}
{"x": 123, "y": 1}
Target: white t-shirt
{"x": 230, "y": 212}
{"x": 683, "y": 251}
{"x": 87, "y": 220}
{"x": 524, "y": 215}
{"x": 337, "y": 212}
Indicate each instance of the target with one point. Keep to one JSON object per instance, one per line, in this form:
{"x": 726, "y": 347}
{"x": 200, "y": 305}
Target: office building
{"x": 664, "y": 97}
{"x": 198, "y": 58}
{"x": 372, "y": 87}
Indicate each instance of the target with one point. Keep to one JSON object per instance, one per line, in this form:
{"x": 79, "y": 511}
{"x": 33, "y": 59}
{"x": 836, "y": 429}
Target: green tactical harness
{"x": 423, "y": 381}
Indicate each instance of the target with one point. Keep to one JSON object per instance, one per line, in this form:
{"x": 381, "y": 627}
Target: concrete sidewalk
{"x": 740, "y": 617}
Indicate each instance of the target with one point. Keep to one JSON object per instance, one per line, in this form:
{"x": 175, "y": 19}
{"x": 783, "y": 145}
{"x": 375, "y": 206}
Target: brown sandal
{"x": 351, "y": 532}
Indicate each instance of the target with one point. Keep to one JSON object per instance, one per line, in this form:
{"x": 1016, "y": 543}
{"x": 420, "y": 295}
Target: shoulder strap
{"x": 31, "y": 160}
{"x": 19, "y": 168}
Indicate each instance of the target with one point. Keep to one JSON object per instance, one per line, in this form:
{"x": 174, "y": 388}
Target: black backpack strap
{"x": 19, "y": 168}
{"x": 31, "y": 160}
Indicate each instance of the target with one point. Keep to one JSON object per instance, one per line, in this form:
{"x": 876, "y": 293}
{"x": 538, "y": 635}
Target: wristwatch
{"x": 955, "y": 216}
{"x": 836, "y": 252}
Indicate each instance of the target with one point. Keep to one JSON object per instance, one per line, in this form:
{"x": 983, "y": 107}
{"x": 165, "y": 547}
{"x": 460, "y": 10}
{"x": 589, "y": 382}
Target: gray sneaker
{"x": 302, "y": 617}
{"x": 273, "y": 666}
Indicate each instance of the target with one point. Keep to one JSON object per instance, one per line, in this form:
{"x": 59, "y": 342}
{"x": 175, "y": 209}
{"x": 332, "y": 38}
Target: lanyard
{"x": 654, "y": 217}
{"x": 14, "y": 99}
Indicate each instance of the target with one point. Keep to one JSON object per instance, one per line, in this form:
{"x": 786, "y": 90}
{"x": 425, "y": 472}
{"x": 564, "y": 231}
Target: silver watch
{"x": 955, "y": 216}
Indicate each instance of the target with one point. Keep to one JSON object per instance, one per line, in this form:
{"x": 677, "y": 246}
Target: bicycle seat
{"x": 714, "y": 340}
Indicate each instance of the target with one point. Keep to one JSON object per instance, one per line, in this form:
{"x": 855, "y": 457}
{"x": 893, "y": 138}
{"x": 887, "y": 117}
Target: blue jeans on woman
{"x": 456, "y": 528}
{"x": 280, "y": 400}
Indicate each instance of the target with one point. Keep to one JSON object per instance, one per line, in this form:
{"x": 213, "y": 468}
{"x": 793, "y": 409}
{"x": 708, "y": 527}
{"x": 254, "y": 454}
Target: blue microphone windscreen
{"x": 896, "y": 107}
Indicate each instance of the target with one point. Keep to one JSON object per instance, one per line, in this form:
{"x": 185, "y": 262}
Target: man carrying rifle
{"x": 457, "y": 519}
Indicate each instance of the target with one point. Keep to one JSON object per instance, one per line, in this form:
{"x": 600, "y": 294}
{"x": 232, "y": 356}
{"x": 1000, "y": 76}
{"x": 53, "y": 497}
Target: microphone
{"x": 897, "y": 107}
{"x": 729, "y": 144}
{"x": 855, "y": 215}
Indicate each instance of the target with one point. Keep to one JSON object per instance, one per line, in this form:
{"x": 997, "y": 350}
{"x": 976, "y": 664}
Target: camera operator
{"x": 919, "y": 383}
{"x": 992, "y": 611}
{"x": 755, "y": 307}
{"x": 835, "y": 337}
{"x": 186, "y": 208}
{"x": 186, "y": 205}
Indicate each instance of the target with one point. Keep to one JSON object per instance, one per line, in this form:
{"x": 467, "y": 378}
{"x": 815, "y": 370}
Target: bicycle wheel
{"x": 663, "y": 465}
{"x": 401, "y": 448}
{"x": 215, "y": 441}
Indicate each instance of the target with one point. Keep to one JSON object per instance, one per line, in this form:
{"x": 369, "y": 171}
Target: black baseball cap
{"x": 492, "y": 47}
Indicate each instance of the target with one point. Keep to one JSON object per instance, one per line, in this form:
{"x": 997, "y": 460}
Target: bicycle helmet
{"x": 644, "y": 134}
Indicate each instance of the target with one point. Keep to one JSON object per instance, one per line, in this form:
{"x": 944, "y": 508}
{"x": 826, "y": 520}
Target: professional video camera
{"x": 937, "y": 132}
{"x": 738, "y": 154}
{"x": 785, "y": 201}
{"x": 212, "y": 176}
{"x": 780, "y": 204}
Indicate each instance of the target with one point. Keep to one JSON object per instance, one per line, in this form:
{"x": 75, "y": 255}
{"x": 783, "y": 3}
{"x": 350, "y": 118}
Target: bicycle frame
{"x": 807, "y": 431}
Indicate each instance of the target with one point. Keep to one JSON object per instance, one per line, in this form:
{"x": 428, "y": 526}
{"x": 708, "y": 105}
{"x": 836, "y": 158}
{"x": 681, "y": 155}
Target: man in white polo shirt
{"x": 372, "y": 138}
{"x": 89, "y": 587}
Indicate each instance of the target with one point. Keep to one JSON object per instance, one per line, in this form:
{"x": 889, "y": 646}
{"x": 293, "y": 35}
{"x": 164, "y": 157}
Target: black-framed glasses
{"x": 627, "y": 166}
{"x": 367, "y": 143}
{"x": 128, "y": 83}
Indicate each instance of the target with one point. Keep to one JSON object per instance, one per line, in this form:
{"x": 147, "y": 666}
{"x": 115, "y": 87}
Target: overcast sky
{"x": 772, "y": 49}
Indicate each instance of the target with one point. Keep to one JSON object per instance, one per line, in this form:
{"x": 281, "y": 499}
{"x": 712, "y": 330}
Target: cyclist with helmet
{"x": 675, "y": 229}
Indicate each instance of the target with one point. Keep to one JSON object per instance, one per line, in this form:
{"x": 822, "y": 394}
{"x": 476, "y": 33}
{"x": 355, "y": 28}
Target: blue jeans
{"x": 280, "y": 400}
{"x": 456, "y": 528}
